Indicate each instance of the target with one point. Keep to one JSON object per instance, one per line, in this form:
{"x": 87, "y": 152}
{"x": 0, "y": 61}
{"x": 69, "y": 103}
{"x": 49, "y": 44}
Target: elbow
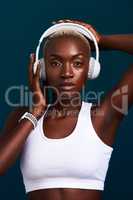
{"x": 2, "y": 172}
{"x": 2, "y": 169}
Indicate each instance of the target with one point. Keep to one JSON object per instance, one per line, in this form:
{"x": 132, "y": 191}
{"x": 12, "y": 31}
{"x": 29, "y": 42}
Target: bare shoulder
{"x": 13, "y": 117}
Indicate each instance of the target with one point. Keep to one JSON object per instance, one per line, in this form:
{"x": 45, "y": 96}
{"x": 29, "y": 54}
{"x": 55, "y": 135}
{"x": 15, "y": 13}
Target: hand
{"x": 38, "y": 98}
{"x": 88, "y": 26}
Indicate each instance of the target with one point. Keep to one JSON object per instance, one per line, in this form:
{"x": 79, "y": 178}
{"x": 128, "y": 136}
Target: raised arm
{"x": 119, "y": 42}
{"x": 120, "y": 98}
{"x": 123, "y": 42}
{"x": 14, "y": 133}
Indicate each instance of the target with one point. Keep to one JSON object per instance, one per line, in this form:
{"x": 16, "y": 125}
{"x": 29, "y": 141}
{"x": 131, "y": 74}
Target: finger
{"x": 88, "y": 26}
{"x": 37, "y": 74}
{"x": 31, "y": 63}
{"x": 35, "y": 77}
{"x": 72, "y": 21}
{"x": 75, "y": 21}
{"x": 30, "y": 68}
{"x": 67, "y": 20}
{"x": 61, "y": 21}
{"x": 53, "y": 22}
{"x": 80, "y": 22}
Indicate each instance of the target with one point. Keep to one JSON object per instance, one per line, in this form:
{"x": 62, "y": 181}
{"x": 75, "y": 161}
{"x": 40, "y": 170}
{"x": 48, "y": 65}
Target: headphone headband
{"x": 68, "y": 26}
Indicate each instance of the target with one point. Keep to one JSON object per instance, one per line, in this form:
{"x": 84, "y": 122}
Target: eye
{"x": 55, "y": 63}
{"x": 78, "y": 63}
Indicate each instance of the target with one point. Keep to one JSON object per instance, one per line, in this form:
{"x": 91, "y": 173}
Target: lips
{"x": 66, "y": 84}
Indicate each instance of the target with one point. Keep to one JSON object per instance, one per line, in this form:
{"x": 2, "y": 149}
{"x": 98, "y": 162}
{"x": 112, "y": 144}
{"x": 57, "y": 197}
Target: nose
{"x": 67, "y": 71}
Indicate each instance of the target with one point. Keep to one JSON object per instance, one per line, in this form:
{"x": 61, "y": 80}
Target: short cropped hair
{"x": 65, "y": 32}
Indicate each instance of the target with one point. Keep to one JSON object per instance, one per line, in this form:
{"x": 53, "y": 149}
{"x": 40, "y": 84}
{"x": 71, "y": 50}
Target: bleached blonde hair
{"x": 66, "y": 32}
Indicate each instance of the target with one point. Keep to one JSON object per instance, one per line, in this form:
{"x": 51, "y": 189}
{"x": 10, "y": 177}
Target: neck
{"x": 69, "y": 103}
{"x": 65, "y": 107}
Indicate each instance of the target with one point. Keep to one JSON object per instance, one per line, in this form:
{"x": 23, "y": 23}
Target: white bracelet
{"x": 30, "y": 117}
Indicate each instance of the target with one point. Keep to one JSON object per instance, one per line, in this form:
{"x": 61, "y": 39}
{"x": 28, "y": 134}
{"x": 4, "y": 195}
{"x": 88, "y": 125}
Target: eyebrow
{"x": 59, "y": 56}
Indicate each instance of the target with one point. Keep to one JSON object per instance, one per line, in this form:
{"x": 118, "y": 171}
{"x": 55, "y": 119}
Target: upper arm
{"x": 120, "y": 98}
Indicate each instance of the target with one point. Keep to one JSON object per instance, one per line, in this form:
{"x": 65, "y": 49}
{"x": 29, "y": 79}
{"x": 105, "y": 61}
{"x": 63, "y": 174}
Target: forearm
{"x": 11, "y": 144}
{"x": 117, "y": 42}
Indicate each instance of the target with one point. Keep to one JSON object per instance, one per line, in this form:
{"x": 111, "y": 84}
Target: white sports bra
{"x": 79, "y": 160}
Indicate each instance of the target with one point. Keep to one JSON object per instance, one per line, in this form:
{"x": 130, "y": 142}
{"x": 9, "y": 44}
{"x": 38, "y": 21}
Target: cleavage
{"x": 59, "y": 128}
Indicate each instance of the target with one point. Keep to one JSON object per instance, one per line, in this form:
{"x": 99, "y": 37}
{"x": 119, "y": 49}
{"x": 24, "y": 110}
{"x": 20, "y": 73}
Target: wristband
{"x": 30, "y": 117}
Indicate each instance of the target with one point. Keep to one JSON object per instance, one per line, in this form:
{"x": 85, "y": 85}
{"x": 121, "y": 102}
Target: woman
{"x": 79, "y": 158}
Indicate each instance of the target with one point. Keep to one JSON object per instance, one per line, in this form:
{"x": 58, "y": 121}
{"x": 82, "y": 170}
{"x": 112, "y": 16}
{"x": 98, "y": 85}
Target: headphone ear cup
{"x": 42, "y": 69}
{"x": 94, "y": 68}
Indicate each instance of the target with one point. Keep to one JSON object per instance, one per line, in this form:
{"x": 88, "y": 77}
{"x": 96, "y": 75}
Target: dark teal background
{"x": 21, "y": 24}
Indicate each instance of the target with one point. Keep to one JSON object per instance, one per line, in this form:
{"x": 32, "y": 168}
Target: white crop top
{"x": 79, "y": 160}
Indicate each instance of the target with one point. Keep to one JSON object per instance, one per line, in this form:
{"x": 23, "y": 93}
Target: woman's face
{"x": 66, "y": 60}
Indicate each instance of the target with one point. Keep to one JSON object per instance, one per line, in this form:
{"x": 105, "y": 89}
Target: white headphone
{"x": 94, "y": 64}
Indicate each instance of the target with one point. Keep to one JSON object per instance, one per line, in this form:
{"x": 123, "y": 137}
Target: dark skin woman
{"x": 66, "y": 67}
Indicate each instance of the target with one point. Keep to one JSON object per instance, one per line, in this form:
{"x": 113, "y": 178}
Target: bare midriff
{"x": 65, "y": 194}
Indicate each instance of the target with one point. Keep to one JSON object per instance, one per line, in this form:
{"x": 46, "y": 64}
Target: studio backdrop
{"x": 22, "y": 23}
